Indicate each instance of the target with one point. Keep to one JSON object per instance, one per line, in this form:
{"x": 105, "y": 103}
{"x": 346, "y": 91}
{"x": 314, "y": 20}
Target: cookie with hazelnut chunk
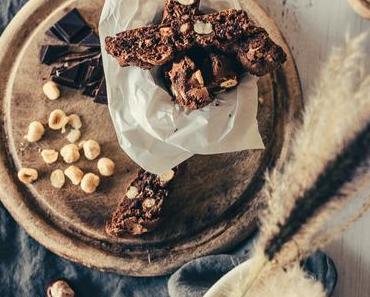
{"x": 140, "y": 210}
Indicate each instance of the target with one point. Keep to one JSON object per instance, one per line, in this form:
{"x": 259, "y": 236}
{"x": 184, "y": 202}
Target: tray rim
{"x": 56, "y": 240}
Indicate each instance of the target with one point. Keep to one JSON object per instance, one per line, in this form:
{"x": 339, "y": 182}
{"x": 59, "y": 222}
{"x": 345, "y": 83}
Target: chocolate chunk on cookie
{"x": 187, "y": 84}
{"x": 140, "y": 210}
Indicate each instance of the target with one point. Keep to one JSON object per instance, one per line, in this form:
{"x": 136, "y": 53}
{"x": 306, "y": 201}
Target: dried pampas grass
{"x": 288, "y": 283}
{"x": 329, "y": 162}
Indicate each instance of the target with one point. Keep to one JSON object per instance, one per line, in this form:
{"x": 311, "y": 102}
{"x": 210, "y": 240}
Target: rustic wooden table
{"x": 313, "y": 28}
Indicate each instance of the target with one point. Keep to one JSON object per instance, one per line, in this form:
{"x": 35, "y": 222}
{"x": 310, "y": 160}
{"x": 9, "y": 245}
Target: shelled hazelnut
{"x": 57, "y": 119}
{"x": 49, "y": 156}
{"x": 28, "y": 175}
{"x": 89, "y": 183}
{"x": 74, "y": 121}
{"x": 35, "y": 131}
{"x": 51, "y": 90}
{"x": 60, "y": 288}
{"x": 70, "y": 153}
{"x": 75, "y": 174}
{"x": 57, "y": 179}
{"x": 106, "y": 167}
{"x": 74, "y": 135}
{"x": 91, "y": 149}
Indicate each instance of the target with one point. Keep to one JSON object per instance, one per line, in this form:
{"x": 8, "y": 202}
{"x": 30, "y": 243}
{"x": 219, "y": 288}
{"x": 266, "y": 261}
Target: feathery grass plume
{"x": 329, "y": 160}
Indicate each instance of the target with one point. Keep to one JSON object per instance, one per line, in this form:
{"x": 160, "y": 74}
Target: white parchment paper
{"x": 157, "y": 134}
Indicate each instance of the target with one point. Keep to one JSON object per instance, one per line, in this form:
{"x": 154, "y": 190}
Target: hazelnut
{"x": 70, "y": 153}
{"x": 106, "y": 167}
{"x": 74, "y": 135}
{"x": 75, "y": 121}
{"x": 57, "y": 119}
{"x": 89, "y": 183}
{"x": 149, "y": 203}
{"x": 186, "y": 2}
{"x": 28, "y": 175}
{"x": 132, "y": 192}
{"x": 75, "y": 174}
{"x": 228, "y": 84}
{"x": 35, "y": 132}
{"x": 49, "y": 156}
{"x": 51, "y": 90}
{"x": 57, "y": 179}
{"x": 185, "y": 28}
{"x": 166, "y": 177}
{"x": 203, "y": 28}
{"x": 60, "y": 288}
{"x": 91, "y": 149}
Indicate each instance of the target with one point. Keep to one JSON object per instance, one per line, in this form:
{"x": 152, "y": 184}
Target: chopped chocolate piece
{"x": 79, "y": 56}
{"x": 140, "y": 210}
{"x": 91, "y": 40}
{"x": 72, "y": 76}
{"x": 95, "y": 71}
{"x": 187, "y": 85}
{"x": 155, "y": 45}
{"x": 224, "y": 76}
{"x": 72, "y": 28}
{"x": 91, "y": 89}
{"x": 174, "y": 10}
{"x": 50, "y": 54}
{"x": 101, "y": 95}
{"x": 258, "y": 54}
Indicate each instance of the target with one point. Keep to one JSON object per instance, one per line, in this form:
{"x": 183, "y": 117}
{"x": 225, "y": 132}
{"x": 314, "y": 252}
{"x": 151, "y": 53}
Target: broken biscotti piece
{"x": 230, "y": 31}
{"x": 187, "y": 85}
{"x": 223, "y": 74}
{"x": 179, "y": 10}
{"x": 258, "y": 54}
{"x": 140, "y": 210}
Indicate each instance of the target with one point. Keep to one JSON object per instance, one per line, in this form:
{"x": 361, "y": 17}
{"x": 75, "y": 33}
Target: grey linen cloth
{"x": 26, "y": 268}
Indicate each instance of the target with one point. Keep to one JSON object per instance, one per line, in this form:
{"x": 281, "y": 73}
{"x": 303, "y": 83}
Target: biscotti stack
{"x": 230, "y": 41}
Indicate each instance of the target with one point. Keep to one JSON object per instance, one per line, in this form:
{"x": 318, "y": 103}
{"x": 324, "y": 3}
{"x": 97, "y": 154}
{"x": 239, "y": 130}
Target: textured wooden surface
{"x": 312, "y": 28}
{"x": 213, "y": 205}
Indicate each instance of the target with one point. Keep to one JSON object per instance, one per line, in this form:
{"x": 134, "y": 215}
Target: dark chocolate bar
{"x": 72, "y": 28}
{"x": 91, "y": 40}
{"x": 72, "y": 77}
{"x": 50, "y": 54}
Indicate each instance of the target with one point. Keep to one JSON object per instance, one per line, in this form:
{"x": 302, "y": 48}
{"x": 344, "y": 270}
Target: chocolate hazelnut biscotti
{"x": 140, "y": 209}
{"x": 157, "y": 44}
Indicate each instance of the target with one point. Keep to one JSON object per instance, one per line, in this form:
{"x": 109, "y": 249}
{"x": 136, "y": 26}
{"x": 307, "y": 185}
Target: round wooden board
{"x": 214, "y": 201}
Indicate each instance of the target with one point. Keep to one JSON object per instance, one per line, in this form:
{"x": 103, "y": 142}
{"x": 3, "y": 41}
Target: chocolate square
{"x": 50, "y": 54}
{"x": 72, "y": 28}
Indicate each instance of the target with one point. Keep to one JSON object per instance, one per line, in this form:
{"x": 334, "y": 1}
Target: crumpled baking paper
{"x": 154, "y": 132}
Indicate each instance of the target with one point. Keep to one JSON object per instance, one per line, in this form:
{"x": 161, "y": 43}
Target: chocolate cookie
{"x": 140, "y": 210}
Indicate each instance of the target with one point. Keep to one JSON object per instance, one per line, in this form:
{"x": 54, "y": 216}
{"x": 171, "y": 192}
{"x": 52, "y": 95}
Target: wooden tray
{"x": 215, "y": 201}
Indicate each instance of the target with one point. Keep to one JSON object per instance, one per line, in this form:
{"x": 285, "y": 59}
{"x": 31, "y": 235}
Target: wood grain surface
{"x": 214, "y": 201}
{"x": 313, "y": 28}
